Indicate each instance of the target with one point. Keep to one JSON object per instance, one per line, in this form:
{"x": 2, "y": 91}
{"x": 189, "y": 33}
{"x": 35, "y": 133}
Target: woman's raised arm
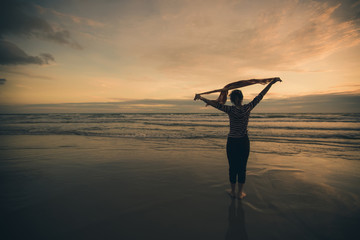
{"x": 266, "y": 89}
{"x": 258, "y": 98}
{"x": 213, "y": 103}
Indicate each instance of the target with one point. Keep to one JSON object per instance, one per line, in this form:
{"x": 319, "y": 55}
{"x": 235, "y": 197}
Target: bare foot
{"x": 241, "y": 195}
{"x": 231, "y": 193}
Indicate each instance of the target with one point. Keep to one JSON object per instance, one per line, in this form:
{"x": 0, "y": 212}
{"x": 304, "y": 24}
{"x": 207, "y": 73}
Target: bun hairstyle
{"x": 236, "y": 97}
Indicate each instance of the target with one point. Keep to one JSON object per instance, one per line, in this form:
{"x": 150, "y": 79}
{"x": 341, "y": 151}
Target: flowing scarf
{"x": 242, "y": 83}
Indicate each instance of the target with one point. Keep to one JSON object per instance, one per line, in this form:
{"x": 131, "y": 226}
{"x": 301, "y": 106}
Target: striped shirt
{"x": 239, "y": 116}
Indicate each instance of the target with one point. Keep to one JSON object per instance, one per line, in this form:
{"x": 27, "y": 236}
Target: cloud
{"x": 350, "y": 9}
{"x": 24, "y": 74}
{"x": 220, "y": 38}
{"x": 2, "y": 81}
{"x": 10, "y": 54}
{"x": 16, "y": 19}
{"x": 322, "y": 103}
{"x": 72, "y": 18}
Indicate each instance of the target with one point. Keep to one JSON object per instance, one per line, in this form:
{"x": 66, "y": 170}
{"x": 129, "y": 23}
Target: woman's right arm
{"x": 213, "y": 103}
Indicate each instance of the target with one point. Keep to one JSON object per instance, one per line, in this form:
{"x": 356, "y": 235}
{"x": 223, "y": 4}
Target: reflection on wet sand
{"x": 236, "y": 228}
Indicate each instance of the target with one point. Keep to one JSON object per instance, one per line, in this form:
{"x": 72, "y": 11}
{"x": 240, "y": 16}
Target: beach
{"x": 93, "y": 186}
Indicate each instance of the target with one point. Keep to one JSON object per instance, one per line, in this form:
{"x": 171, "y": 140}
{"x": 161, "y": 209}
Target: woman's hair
{"x": 236, "y": 96}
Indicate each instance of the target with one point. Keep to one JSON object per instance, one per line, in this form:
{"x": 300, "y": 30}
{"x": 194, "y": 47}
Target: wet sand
{"x": 76, "y": 187}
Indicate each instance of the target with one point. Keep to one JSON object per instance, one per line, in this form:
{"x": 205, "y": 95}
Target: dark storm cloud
{"x": 16, "y": 18}
{"x": 10, "y": 54}
{"x": 2, "y": 81}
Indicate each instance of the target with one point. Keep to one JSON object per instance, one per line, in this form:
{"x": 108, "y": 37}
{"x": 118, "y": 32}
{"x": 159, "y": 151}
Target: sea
{"x": 335, "y": 135}
{"x": 165, "y": 175}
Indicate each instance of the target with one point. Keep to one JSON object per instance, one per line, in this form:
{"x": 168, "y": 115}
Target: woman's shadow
{"x": 236, "y": 229}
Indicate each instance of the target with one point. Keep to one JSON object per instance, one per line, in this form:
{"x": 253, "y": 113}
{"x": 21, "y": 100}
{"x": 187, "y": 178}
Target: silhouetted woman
{"x": 238, "y": 145}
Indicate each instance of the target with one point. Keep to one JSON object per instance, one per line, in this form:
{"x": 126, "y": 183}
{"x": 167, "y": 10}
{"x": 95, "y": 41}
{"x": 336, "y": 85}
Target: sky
{"x": 154, "y": 55}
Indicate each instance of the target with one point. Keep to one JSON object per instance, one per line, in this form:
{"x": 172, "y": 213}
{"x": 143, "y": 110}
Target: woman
{"x": 238, "y": 146}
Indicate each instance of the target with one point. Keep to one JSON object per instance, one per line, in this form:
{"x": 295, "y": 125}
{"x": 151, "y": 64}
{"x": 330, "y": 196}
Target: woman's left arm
{"x": 259, "y": 97}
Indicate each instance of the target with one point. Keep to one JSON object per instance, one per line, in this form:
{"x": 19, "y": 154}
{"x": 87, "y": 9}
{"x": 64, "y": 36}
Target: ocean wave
{"x": 175, "y": 117}
{"x": 148, "y": 133}
{"x": 186, "y": 126}
{"x": 270, "y": 126}
{"x": 177, "y": 124}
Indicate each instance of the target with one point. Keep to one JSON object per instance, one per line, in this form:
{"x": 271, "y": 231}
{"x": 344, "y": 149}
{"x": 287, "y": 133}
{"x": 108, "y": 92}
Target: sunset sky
{"x": 154, "y": 55}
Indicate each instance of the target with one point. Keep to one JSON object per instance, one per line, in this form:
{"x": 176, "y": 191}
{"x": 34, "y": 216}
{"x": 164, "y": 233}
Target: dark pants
{"x": 237, "y": 150}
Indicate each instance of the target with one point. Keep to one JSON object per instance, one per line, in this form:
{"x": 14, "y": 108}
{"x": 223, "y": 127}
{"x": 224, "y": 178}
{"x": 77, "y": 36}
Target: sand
{"x": 76, "y": 187}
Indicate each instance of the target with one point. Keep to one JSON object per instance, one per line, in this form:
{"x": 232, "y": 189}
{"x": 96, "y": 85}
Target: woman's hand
{"x": 197, "y": 97}
{"x": 277, "y": 79}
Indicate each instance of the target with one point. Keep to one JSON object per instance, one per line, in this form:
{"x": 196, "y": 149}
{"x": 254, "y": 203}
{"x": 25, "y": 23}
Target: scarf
{"x": 242, "y": 83}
